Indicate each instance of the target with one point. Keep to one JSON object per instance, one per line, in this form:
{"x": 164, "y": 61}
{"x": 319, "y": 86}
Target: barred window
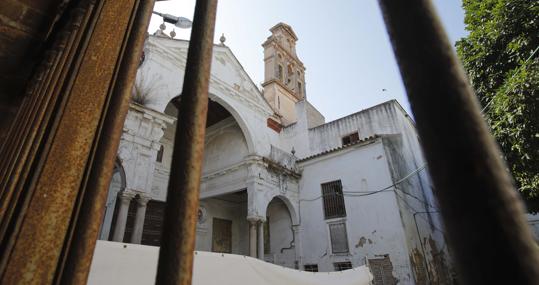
{"x": 339, "y": 238}
{"x": 311, "y": 267}
{"x": 333, "y": 200}
{"x": 351, "y": 138}
{"x": 340, "y": 266}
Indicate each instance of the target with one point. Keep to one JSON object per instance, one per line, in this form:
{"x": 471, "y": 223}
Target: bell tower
{"x": 284, "y": 74}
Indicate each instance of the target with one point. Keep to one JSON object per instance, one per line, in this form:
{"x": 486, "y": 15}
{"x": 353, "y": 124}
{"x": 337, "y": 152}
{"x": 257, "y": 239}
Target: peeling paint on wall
{"x": 382, "y": 271}
{"x": 361, "y": 242}
{"x": 438, "y": 268}
{"x": 418, "y": 266}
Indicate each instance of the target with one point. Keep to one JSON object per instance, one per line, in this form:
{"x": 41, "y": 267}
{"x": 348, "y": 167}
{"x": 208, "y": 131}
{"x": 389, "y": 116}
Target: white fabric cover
{"x": 130, "y": 264}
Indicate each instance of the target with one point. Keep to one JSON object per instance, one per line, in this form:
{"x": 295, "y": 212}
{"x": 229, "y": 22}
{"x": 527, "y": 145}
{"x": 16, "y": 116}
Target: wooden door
{"x": 153, "y": 223}
{"x": 222, "y": 235}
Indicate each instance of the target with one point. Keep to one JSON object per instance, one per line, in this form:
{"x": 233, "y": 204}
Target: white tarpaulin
{"x": 130, "y": 264}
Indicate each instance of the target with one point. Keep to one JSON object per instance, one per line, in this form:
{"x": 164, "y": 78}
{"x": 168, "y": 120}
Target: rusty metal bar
{"x": 56, "y": 69}
{"x": 93, "y": 204}
{"x": 35, "y": 253}
{"x": 178, "y": 239}
{"x": 481, "y": 209}
{"x": 86, "y": 231}
{"x": 60, "y": 59}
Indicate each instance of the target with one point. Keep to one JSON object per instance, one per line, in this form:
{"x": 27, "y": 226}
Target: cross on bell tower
{"x": 284, "y": 76}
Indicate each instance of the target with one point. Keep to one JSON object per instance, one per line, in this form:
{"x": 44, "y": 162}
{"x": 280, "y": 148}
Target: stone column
{"x": 261, "y": 240}
{"x": 252, "y": 238}
{"x": 121, "y": 218}
{"x": 136, "y": 235}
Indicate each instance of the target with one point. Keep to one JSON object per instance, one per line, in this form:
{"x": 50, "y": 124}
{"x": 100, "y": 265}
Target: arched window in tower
{"x": 300, "y": 88}
{"x": 289, "y": 74}
{"x": 280, "y": 72}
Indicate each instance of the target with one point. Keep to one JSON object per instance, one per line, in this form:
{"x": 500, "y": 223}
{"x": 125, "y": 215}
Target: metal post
{"x": 178, "y": 240}
{"x": 86, "y": 230}
{"x": 482, "y": 212}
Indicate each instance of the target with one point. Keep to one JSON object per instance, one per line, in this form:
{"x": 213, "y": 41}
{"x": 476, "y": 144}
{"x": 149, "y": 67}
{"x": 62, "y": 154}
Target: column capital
{"x": 256, "y": 219}
{"x": 143, "y": 200}
{"x": 126, "y": 195}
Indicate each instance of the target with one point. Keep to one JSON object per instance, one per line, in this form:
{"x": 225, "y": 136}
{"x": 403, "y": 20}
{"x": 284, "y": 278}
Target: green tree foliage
{"x": 501, "y": 57}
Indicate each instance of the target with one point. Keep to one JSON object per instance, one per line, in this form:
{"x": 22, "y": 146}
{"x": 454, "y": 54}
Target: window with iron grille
{"x": 339, "y": 238}
{"x": 340, "y": 266}
{"x": 333, "y": 200}
{"x": 351, "y": 138}
{"x": 311, "y": 267}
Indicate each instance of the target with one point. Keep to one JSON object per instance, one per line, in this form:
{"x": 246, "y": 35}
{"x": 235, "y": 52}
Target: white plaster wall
{"x": 404, "y": 154}
{"x": 373, "y": 223}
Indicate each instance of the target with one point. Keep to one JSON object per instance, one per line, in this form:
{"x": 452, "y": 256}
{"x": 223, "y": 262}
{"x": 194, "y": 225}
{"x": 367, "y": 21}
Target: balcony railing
{"x": 283, "y": 158}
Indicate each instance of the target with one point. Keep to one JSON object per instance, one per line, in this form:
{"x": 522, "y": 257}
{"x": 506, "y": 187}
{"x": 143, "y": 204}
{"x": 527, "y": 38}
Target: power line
{"x": 367, "y": 193}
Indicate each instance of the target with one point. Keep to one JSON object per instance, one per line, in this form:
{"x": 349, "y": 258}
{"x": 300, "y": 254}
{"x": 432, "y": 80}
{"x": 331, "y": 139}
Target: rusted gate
{"x": 58, "y": 157}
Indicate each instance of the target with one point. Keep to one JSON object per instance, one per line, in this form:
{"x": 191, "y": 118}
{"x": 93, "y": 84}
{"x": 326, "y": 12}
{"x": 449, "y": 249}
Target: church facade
{"x": 279, "y": 182}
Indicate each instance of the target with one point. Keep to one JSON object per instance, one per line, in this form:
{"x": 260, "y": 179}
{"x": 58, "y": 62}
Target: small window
{"x": 333, "y": 200}
{"x": 278, "y": 102}
{"x": 300, "y": 88}
{"x": 339, "y": 238}
{"x": 351, "y": 138}
{"x": 280, "y": 72}
{"x": 311, "y": 267}
{"x": 341, "y": 266}
{"x": 159, "y": 157}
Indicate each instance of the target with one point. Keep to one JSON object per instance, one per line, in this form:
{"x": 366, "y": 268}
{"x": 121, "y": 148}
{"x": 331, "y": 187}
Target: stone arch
{"x": 289, "y": 205}
{"x": 115, "y": 187}
{"x": 247, "y": 133}
{"x": 119, "y": 167}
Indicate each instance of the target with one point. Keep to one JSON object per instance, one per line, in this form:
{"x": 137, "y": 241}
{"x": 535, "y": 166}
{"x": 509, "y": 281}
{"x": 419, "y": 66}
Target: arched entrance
{"x": 117, "y": 184}
{"x": 279, "y": 239}
{"x": 222, "y": 224}
{"x": 226, "y": 142}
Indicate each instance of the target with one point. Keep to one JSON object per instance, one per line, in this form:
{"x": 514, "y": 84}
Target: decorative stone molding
{"x": 139, "y": 144}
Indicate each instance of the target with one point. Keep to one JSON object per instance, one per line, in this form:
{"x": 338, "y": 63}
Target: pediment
{"x": 227, "y": 74}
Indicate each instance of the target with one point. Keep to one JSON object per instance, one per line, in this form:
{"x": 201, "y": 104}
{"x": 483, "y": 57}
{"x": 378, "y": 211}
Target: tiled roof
{"x": 367, "y": 139}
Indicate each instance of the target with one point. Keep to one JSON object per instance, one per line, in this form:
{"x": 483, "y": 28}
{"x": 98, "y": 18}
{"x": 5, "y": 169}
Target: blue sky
{"x": 343, "y": 44}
